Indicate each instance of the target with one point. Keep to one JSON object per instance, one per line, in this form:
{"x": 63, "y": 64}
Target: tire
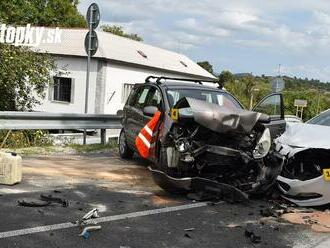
{"x": 125, "y": 151}
{"x": 161, "y": 180}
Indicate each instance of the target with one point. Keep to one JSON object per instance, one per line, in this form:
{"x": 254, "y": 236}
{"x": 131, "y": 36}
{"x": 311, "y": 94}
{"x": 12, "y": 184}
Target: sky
{"x": 238, "y": 35}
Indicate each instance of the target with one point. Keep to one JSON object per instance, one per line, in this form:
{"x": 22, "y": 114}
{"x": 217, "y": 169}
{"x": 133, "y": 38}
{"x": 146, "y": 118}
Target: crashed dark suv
{"x": 205, "y": 139}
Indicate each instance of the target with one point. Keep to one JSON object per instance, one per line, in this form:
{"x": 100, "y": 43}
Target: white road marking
{"x": 60, "y": 226}
{"x": 22, "y": 191}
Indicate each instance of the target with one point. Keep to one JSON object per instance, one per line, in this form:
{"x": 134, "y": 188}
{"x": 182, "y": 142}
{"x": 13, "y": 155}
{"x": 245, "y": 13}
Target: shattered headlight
{"x": 263, "y": 146}
{"x": 182, "y": 145}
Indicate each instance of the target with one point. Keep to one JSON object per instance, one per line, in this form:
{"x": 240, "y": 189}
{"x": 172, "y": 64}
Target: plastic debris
{"x": 187, "y": 236}
{"x": 189, "y": 229}
{"x": 86, "y": 232}
{"x": 50, "y": 198}
{"x": 33, "y": 203}
{"x": 94, "y": 213}
{"x": 252, "y": 233}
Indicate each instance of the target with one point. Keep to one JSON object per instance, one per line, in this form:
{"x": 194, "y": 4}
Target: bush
{"x": 26, "y": 138}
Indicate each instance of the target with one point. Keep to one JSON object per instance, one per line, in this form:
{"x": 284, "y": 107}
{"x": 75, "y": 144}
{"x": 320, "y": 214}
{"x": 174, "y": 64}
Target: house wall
{"x": 107, "y": 80}
{"x": 118, "y": 75}
{"x": 76, "y": 69}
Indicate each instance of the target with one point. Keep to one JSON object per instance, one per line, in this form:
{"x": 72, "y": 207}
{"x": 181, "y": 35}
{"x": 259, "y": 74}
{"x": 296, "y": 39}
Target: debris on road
{"x": 94, "y": 213}
{"x": 187, "y": 236}
{"x": 189, "y": 229}
{"x": 233, "y": 225}
{"x": 45, "y": 200}
{"x": 251, "y": 231}
{"x": 50, "y": 198}
{"x": 86, "y": 232}
{"x": 33, "y": 203}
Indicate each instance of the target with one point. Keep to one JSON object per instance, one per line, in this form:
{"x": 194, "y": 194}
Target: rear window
{"x": 216, "y": 97}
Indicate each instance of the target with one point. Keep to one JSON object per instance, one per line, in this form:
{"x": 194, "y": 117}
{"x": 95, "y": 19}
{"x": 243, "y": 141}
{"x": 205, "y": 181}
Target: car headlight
{"x": 263, "y": 146}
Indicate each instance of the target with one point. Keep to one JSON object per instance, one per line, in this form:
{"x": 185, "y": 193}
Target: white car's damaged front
{"x": 305, "y": 178}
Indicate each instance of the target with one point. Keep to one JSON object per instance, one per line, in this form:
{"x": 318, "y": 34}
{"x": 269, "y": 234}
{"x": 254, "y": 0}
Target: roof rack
{"x": 159, "y": 79}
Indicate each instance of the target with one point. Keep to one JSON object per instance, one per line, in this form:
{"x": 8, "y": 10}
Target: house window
{"x": 127, "y": 88}
{"x": 62, "y": 89}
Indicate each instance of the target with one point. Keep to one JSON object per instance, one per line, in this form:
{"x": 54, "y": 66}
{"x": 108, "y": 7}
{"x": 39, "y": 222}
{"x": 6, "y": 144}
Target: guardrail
{"x": 58, "y": 121}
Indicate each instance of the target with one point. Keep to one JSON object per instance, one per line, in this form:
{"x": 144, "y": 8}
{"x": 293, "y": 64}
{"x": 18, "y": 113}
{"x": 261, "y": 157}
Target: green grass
{"x": 111, "y": 146}
{"x": 71, "y": 149}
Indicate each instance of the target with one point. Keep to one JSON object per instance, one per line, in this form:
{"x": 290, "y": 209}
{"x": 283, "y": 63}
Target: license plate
{"x": 326, "y": 174}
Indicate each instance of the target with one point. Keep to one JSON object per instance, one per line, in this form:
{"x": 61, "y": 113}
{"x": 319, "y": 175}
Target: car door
{"x": 154, "y": 99}
{"x": 135, "y": 119}
{"x": 273, "y": 106}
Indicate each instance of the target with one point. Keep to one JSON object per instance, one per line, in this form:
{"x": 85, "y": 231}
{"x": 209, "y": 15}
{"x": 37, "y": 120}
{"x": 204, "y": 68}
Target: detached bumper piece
{"x": 205, "y": 189}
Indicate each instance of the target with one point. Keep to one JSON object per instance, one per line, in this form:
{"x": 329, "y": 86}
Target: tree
{"x": 206, "y": 65}
{"x": 225, "y": 77}
{"x": 24, "y": 74}
{"x": 59, "y": 13}
{"x": 118, "y": 30}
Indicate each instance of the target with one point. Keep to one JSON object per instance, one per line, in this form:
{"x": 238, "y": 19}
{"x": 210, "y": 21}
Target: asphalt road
{"x": 124, "y": 194}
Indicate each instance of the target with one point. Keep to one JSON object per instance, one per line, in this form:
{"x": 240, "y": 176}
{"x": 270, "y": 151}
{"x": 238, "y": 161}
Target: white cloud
{"x": 295, "y": 28}
{"x": 309, "y": 71}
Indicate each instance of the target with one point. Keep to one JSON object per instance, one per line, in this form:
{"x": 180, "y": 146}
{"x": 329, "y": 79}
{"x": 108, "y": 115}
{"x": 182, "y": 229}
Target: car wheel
{"x": 124, "y": 150}
{"x": 163, "y": 181}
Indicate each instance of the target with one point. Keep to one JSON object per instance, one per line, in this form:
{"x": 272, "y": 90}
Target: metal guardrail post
{"x": 103, "y": 136}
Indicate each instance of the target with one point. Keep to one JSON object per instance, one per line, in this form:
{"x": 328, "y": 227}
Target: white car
{"x": 321, "y": 119}
{"x": 293, "y": 118}
{"x": 305, "y": 178}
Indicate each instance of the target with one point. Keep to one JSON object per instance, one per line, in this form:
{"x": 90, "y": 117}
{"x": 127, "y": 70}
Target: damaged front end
{"x": 213, "y": 148}
{"x": 305, "y": 177}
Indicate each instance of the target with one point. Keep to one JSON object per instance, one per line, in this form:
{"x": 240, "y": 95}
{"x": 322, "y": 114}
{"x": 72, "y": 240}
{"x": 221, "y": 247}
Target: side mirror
{"x": 150, "y": 110}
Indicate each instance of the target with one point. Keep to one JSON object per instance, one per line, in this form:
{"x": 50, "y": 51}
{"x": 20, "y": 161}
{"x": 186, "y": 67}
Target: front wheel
{"x": 124, "y": 150}
{"x": 166, "y": 177}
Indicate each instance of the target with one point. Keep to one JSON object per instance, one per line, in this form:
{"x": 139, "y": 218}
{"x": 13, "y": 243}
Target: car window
{"x": 322, "y": 119}
{"x": 271, "y": 106}
{"x": 137, "y": 100}
{"x": 154, "y": 98}
{"x": 227, "y": 101}
{"x": 216, "y": 97}
{"x": 133, "y": 96}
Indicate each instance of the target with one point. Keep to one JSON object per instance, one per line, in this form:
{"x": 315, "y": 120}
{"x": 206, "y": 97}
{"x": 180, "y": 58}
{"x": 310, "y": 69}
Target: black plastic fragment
{"x": 50, "y": 198}
{"x": 252, "y": 233}
{"x": 36, "y": 203}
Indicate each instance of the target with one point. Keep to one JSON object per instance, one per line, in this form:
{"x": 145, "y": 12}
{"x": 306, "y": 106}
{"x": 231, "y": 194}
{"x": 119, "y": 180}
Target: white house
{"x": 118, "y": 64}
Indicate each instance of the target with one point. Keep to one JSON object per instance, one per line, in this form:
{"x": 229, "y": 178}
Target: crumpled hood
{"x": 301, "y": 135}
{"x": 221, "y": 119}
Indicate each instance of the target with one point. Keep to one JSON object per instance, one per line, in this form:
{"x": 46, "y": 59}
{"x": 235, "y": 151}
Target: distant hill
{"x": 317, "y": 93}
{"x": 295, "y": 83}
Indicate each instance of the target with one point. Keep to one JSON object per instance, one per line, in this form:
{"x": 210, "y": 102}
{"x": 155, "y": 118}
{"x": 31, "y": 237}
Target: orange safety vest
{"x": 144, "y": 139}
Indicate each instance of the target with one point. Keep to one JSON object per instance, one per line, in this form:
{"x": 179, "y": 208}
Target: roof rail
{"x": 159, "y": 79}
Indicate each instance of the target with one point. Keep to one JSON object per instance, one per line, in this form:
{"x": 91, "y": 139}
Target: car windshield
{"x": 216, "y": 97}
{"x": 322, "y": 119}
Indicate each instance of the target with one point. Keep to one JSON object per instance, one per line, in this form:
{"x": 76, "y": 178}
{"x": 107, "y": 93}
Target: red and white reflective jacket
{"x": 144, "y": 140}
